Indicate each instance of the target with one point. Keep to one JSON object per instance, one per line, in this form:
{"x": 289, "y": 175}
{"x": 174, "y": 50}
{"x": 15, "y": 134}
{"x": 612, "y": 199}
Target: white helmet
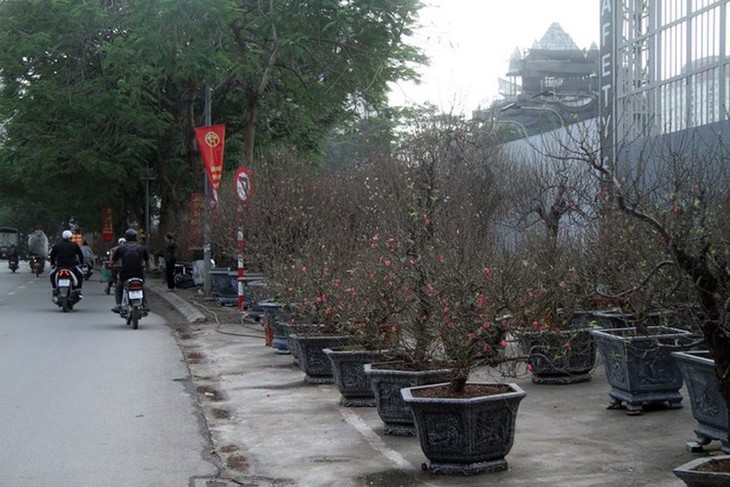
{"x": 121, "y": 241}
{"x": 66, "y": 235}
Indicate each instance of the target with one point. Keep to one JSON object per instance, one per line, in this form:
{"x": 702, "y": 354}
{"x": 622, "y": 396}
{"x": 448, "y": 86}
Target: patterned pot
{"x": 708, "y": 406}
{"x": 348, "y": 369}
{"x": 559, "y": 357}
{"x": 640, "y": 368}
{"x": 465, "y": 436}
{"x": 312, "y": 360}
{"x": 387, "y": 381}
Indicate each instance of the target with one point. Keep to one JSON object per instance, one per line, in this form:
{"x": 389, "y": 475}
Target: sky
{"x": 470, "y": 42}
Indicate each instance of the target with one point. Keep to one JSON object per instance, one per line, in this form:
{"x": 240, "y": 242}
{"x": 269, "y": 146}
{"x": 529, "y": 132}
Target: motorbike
{"x": 113, "y": 276}
{"x": 13, "y": 262}
{"x": 37, "y": 264}
{"x": 66, "y": 294}
{"x": 133, "y": 303}
{"x": 88, "y": 269}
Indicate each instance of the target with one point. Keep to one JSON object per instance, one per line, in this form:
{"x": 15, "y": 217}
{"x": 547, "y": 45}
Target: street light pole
{"x": 206, "y": 218}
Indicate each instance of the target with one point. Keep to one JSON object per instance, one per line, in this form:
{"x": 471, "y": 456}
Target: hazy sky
{"x": 470, "y": 43}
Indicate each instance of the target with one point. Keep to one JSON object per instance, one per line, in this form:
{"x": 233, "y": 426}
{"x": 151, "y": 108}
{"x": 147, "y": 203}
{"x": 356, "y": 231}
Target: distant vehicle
{"x": 8, "y": 236}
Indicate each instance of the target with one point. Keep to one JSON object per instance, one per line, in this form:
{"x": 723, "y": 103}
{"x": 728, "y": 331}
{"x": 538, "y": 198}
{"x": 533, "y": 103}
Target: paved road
{"x": 87, "y": 401}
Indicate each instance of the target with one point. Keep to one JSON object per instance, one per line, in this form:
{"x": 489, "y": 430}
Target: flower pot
{"x": 640, "y": 368}
{"x": 312, "y": 360}
{"x": 387, "y": 381}
{"x": 705, "y": 472}
{"x": 465, "y": 436}
{"x": 559, "y": 357}
{"x": 291, "y": 329}
{"x": 348, "y": 370}
{"x": 275, "y": 317}
{"x": 708, "y": 405}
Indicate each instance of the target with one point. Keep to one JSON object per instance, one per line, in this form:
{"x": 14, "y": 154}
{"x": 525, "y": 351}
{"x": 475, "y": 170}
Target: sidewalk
{"x": 270, "y": 428}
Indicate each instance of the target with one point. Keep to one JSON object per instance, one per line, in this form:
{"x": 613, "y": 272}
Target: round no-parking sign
{"x": 244, "y": 184}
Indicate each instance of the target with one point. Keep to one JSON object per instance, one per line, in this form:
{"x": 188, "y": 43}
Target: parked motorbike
{"x": 66, "y": 294}
{"x": 13, "y": 262}
{"x": 133, "y": 302}
{"x": 37, "y": 264}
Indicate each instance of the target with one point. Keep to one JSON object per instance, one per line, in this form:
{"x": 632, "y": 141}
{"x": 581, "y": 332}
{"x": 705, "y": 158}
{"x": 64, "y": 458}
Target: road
{"x": 86, "y": 400}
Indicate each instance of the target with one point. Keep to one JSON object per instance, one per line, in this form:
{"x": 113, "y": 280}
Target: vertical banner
{"x": 197, "y": 210}
{"x": 107, "y": 227}
{"x": 607, "y": 80}
{"x": 211, "y": 142}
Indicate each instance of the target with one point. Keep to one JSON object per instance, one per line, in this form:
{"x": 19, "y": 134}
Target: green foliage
{"x": 94, "y": 93}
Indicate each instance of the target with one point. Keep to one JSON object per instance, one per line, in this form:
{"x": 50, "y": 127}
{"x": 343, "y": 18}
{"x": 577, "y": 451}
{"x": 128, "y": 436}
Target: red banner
{"x": 211, "y": 141}
{"x": 197, "y": 210}
{"x": 107, "y": 228}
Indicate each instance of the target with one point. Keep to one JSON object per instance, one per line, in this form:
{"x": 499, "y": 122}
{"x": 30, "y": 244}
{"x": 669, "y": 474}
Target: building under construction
{"x": 552, "y": 84}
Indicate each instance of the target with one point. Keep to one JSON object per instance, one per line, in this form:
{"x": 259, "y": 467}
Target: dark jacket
{"x": 133, "y": 258}
{"x": 171, "y": 250}
{"x": 66, "y": 254}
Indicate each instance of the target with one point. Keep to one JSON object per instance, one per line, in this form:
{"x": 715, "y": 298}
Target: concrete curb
{"x": 190, "y": 312}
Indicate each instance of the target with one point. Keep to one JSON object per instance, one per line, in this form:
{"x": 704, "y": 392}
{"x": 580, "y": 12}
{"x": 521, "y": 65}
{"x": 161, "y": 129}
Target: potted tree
{"x": 551, "y": 313}
{"x": 375, "y": 295}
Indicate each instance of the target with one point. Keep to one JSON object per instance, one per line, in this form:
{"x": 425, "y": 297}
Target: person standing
{"x": 170, "y": 260}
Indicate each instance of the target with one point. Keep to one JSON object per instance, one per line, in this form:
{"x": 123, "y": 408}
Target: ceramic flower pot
{"x": 275, "y": 317}
{"x": 559, "y": 357}
{"x": 705, "y": 472}
{"x": 465, "y": 436}
{"x": 387, "y": 381}
{"x": 640, "y": 368}
{"x": 708, "y": 405}
{"x": 312, "y": 359}
{"x": 348, "y": 370}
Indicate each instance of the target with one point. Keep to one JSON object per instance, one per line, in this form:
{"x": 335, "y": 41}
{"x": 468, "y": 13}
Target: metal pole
{"x": 206, "y": 218}
{"x": 147, "y": 204}
{"x": 241, "y": 298}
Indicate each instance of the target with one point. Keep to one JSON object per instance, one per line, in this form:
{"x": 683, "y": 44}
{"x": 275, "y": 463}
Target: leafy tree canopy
{"x": 97, "y": 96}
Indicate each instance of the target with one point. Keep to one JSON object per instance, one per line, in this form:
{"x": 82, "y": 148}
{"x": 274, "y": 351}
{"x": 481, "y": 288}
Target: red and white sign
{"x": 244, "y": 184}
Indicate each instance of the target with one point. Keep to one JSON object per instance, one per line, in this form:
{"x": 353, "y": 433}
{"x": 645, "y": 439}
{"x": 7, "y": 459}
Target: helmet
{"x": 131, "y": 235}
{"x": 121, "y": 241}
{"x": 66, "y": 235}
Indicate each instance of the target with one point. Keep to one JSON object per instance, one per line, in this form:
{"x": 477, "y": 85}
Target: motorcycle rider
{"x": 67, "y": 254}
{"x": 88, "y": 253}
{"x": 114, "y": 268}
{"x": 134, "y": 261}
{"x": 12, "y": 255}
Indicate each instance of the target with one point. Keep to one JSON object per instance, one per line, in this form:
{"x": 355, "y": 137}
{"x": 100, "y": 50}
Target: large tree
{"x": 96, "y": 92}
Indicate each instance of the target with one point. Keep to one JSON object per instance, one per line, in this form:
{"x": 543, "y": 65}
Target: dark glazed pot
{"x": 387, "y": 381}
{"x": 312, "y": 360}
{"x": 348, "y": 369}
{"x": 559, "y": 357}
{"x": 465, "y": 436}
{"x": 708, "y": 405}
{"x": 640, "y": 368}
{"x": 698, "y": 478}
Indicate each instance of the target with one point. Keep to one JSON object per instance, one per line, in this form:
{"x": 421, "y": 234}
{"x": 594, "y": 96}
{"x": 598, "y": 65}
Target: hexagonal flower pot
{"x": 312, "y": 360}
{"x": 640, "y": 368}
{"x": 465, "y": 436}
{"x": 559, "y": 357}
{"x": 348, "y": 370}
{"x": 387, "y": 381}
{"x": 705, "y": 472}
{"x": 708, "y": 405}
